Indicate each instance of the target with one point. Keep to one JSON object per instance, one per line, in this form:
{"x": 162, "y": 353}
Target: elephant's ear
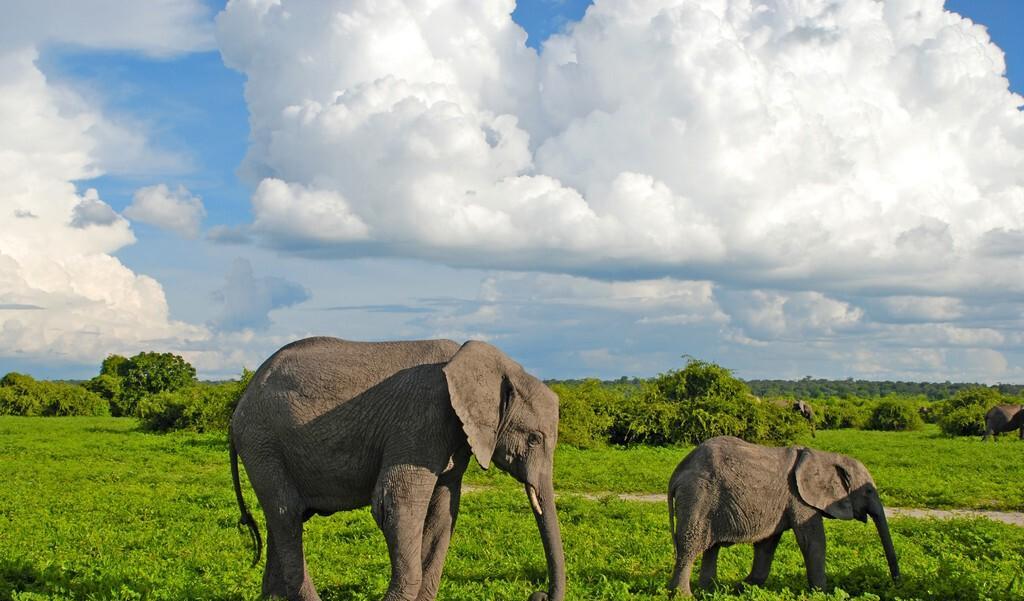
{"x": 823, "y": 483}
{"x": 479, "y": 389}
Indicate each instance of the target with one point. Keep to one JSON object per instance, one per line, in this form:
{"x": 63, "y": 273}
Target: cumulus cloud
{"x": 835, "y": 145}
{"x": 66, "y": 298}
{"x": 838, "y": 175}
{"x": 248, "y": 300}
{"x": 176, "y": 210}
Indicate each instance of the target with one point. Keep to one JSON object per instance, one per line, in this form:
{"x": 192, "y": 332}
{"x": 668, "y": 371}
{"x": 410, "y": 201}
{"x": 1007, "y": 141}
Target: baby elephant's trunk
{"x": 878, "y": 515}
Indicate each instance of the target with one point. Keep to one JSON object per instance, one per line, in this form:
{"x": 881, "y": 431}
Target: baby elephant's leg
{"x": 764, "y": 553}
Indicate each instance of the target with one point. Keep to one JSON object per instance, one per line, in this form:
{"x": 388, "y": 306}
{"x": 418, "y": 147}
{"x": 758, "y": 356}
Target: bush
{"x": 893, "y": 414}
{"x": 701, "y": 401}
{"x": 836, "y": 413}
{"x": 106, "y": 386}
{"x": 24, "y": 395}
{"x": 146, "y": 374}
{"x": 644, "y": 420}
{"x": 199, "y": 407}
{"x": 964, "y": 413}
{"x": 586, "y": 412}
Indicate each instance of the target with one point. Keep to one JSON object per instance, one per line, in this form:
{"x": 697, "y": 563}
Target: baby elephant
{"x": 729, "y": 491}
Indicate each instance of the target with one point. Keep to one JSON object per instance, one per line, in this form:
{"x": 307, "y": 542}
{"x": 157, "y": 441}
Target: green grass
{"x": 91, "y": 508}
{"x": 912, "y": 469}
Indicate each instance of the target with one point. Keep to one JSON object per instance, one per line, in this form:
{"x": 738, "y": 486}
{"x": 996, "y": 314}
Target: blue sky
{"x": 845, "y": 243}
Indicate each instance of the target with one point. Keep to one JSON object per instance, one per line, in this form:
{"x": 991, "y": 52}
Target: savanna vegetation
{"x": 95, "y": 508}
{"x": 683, "y": 406}
{"x": 140, "y": 506}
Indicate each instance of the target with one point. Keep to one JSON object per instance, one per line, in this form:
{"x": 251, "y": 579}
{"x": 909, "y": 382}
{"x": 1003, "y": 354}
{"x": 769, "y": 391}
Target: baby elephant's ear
{"x": 823, "y": 483}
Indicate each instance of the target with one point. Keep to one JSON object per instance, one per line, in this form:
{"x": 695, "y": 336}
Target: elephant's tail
{"x": 246, "y": 519}
{"x": 672, "y": 519}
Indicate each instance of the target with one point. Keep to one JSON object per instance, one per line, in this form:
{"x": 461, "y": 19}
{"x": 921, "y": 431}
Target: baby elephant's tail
{"x": 246, "y": 519}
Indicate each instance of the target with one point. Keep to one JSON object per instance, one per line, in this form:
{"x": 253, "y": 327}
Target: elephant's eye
{"x": 534, "y": 439}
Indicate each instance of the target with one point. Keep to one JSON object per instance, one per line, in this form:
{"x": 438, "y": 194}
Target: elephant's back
{"x": 312, "y": 376}
{"x": 723, "y": 457}
{"x": 1001, "y": 414}
{"x": 740, "y": 487}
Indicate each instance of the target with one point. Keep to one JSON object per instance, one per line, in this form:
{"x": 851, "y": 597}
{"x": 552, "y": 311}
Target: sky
{"x": 825, "y": 188}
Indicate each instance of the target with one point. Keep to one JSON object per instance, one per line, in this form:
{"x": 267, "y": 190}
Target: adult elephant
{"x": 1004, "y": 418}
{"x": 328, "y": 425}
{"x": 729, "y": 491}
{"x": 804, "y": 409}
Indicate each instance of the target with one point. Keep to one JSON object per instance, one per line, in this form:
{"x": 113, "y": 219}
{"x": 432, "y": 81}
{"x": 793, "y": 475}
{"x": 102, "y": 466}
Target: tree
{"x": 114, "y": 365}
{"x": 151, "y": 373}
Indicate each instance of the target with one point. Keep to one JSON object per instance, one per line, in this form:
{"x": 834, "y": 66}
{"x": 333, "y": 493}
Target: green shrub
{"x": 964, "y": 413}
{"x": 146, "y": 374}
{"x": 833, "y": 414}
{"x": 106, "y": 386}
{"x": 644, "y": 420}
{"x": 199, "y": 407}
{"x": 586, "y": 412}
{"x": 21, "y": 394}
{"x": 895, "y": 414}
{"x": 698, "y": 402}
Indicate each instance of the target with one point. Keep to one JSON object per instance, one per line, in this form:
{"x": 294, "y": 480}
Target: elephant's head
{"x": 511, "y": 419}
{"x": 841, "y": 487}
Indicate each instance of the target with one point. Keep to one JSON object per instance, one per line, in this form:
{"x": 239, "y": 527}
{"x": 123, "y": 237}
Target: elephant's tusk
{"x": 534, "y": 501}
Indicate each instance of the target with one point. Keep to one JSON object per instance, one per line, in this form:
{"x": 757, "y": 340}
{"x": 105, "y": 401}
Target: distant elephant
{"x": 729, "y": 491}
{"x": 328, "y": 425}
{"x": 1003, "y": 418}
{"x": 804, "y": 408}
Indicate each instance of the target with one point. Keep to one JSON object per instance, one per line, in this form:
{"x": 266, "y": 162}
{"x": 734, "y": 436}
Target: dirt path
{"x": 1007, "y": 517}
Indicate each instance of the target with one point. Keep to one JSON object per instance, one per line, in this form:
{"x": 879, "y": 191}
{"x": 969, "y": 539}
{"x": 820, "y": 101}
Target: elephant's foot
{"x": 276, "y": 587}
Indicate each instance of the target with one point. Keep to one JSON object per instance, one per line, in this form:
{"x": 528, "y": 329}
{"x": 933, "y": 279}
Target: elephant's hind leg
{"x": 680, "y": 583}
{"x": 708, "y": 568}
{"x": 400, "y": 503}
{"x": 686, "y": 554}
{"x": 286, "y": 575}
{"x": 764, "y": 553}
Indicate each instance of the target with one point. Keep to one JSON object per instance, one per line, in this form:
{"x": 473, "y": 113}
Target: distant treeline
{"x": 810, "y": 388}
{"x": 820, "y": 388}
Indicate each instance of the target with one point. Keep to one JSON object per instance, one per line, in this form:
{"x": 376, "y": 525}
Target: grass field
{"x": 91, "y": 508}
{"x": 912, "y": 469}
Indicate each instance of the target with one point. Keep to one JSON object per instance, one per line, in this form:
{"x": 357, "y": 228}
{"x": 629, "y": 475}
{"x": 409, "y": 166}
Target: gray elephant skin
{"x": 729, "y": 491}
{"x": 1003, "y": 418}
{"x": 804, "y": 408}
{"x": 328, "y": 425}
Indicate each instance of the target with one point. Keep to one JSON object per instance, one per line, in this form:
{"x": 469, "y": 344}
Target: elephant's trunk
{"x": 877, "y": 514}
{"x": 543, "y": 503}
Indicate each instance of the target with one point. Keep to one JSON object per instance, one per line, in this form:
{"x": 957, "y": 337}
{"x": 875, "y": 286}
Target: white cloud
{"x": 831, "y": 179}
{"x": 156, "y": 27}
{"x": 66, "y": 297}
{"x": 178, "y": 211}
{"x": 860, "y": 145}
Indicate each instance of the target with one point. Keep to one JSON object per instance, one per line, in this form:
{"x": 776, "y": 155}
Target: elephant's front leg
{"x": 437, "y": 531}
{"x": 810, "y": 536}
{"x": 399, "y": 505}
